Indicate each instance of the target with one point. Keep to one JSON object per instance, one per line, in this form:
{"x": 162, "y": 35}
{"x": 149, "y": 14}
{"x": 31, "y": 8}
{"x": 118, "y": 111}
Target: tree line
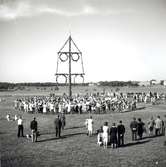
{"x": 118, "y": 83}
{"x": 12, "y": 86}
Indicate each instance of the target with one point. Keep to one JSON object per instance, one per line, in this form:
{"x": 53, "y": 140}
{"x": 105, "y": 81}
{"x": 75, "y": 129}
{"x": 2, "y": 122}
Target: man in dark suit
{"x": 121, "y": 132}
{"x": 33, "y": 127}
{"x": 134, "y": 128}
{"x": 113, "y": 136}
{"x": 63, "y": 120}
{"x": 58, "y": 126}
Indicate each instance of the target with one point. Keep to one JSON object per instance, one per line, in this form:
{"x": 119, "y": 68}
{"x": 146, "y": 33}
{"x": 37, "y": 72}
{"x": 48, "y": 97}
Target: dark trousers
{"x": 20, "y": 131}
{"x": 114, "y": 142}
{"x": 157, "y": 132}
{"x": 58, "y": 132}
{"x": 120, "y": 139}
{"x": 34, "y": 135}
{"x": 134, "y": 135}
{"x": 140, "y": 135}
{"x": 63, "y": 125}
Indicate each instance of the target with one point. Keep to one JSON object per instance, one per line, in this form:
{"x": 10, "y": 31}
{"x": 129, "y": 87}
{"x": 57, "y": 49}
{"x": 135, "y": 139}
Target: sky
{"x": 119, "y": 39}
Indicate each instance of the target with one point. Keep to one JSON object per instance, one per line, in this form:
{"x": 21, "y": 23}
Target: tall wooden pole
{"x": 70, "y": 92}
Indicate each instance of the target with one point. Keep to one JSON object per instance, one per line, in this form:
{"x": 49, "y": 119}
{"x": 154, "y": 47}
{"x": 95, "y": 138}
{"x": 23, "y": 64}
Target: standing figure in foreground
{"x": 90, "y": 126}
{"x": 113, "y": 136}
{"x": 105, "y": 134}
{"x": 164, "y": 128}
{"x": 140, "y": 128}
{"x": 33, "y": 127}
{"x": 63, "y": 120}
{"x": 151, "y": 124}
{"x": 158, "y": 126}
{"x": 133, "y": 127}
{"x": 100, "y": 136}
{"x": 121, "y": 132}
{"x": 20, "y": 127}
{"x": 58, "y": 126}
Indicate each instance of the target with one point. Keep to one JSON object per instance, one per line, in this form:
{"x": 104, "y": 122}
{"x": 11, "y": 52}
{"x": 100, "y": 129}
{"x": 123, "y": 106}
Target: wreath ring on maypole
{"x": 62, "y": 58}
{"x": 75, "y": 58}
{"x": 58, "y": 76}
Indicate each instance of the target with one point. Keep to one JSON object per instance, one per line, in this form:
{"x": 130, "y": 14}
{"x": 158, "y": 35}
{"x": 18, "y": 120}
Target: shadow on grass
{"x": 140, "y": 108}
{"x": 154, "y": 136}
{"x": 62, "y": 137}
{"x": 50, "y": 139}
{"x": 53, "y": 132}
{"x": 46, "y": 133}
{"x": 135, "y": 143}
{"x": 74, "y": 127}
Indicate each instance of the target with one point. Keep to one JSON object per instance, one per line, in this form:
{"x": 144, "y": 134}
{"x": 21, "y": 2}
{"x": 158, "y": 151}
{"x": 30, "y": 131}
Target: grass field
{"x": 75, "y": 148}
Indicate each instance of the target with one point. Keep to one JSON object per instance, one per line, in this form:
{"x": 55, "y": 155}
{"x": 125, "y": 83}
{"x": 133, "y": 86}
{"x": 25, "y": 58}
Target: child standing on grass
{"x": 100, "y": 136}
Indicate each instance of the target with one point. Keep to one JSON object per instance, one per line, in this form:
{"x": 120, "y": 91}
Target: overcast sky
{"x": 119, "y": 39}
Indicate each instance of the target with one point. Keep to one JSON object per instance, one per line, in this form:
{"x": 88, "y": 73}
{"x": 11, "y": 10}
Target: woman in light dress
{"x": 105, "y": 134}
{"x": 44, "y": 108}
{"x": 90, "y": 126}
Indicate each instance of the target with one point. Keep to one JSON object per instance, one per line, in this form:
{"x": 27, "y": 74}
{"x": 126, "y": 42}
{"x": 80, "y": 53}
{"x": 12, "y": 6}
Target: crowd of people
{"x": 103, "y": 102}
{"x": 106, "y": 135}
{"x": 114, "y": 135}
{"x": 60, "y": 122}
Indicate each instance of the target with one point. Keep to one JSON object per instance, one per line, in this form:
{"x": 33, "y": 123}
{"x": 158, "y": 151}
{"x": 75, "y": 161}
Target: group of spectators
{"x": 106, "y": 135}
{"x": 59, "y": 122}
{"x": 114, "y": 135}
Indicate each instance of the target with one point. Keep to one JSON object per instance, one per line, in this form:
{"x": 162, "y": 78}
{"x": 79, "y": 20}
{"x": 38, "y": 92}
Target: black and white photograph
{"x": 83, "y": 83}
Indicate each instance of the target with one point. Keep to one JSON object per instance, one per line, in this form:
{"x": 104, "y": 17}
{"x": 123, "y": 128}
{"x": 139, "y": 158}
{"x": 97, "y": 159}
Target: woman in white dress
{"x": 44, "y": 108}
{"x": 105, "y": 134}
{"x": 90, "y": 126}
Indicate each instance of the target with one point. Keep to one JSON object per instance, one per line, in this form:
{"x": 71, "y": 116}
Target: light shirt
{"x": 158, "y": 123}
{"x": 20, "y": 121}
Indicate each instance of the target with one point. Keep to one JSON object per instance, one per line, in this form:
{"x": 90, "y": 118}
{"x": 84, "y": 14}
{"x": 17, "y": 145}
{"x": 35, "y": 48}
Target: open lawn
{"x": 75, "y": 148}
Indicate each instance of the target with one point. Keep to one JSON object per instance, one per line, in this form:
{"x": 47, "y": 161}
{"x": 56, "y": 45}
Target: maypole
{"x": 69, "y": 55}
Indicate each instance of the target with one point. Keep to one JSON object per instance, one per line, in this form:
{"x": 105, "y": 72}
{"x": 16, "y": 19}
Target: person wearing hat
{"x": 113, "y": 136}
{"x": 121, "y": 132}
{"x": 134, "y": 128}
{"x": 34, "y": 127}
{"x": 58, "y": 126}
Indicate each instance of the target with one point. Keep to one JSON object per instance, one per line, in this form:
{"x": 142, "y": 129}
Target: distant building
{"x": 155, "y": 82}
{"x": 163, "y": 82}
{"x": 144, "y": 83}
{"x": 91, "y": 84}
